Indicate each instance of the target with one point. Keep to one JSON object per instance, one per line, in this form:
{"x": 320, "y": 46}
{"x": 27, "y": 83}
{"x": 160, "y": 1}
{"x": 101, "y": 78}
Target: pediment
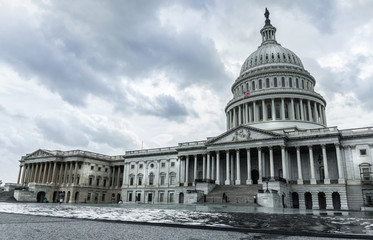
{"x": 39, "y": 154}
{"x": 242, "y": 134}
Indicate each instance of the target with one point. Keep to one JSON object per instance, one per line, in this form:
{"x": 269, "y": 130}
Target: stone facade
{"x": 277, "y": 138}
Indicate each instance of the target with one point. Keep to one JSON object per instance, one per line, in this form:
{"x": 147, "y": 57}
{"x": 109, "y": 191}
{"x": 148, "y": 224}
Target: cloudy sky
{"x": 111, "y": 76}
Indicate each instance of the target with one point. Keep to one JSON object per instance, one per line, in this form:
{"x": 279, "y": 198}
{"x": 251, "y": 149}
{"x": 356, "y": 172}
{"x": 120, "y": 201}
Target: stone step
{"x": 243, "y": 194}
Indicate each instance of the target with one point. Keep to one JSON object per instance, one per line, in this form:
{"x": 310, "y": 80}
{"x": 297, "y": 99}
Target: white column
{"x": 341, "y": 179}
{"x": 186, "y": 171}
{"x": 227, "y": 120}
{"x": 292, "y": 117}
{"x": 300, "y": 177}
{"x": 230, "y": 119}
{"x": 208, "y": 166}
{"x": 239, "y": 115}
{"x": 227, "y": 179}
{"x": 284, "y": 163}
{"x": 312, "y": 165}
{"x": 255, "y": 113}
{"x": 212, "y": 167}
{"x": 204, "y": 166}
{"x": 234, "y": 117}
{"x": 309, "y": 111}
{"x": 325, "y": 160}
{"x": 260, "y": 180}
{"x": 238, "y": 167}
{"x": 316, "y": 117}
{"x": 301, "y": 110}
{"x": 232, "y": 169}
{"x": 271, "y": 164}
{"x": 283, "y": 109}
{"x": 273, "y": 109}
{"x": 217, "y": 168}
{"x": 195, "y": 169}
{"x": 248, "y": 181}
{"x": 247, "y": 113}
{"x": 320, "y": 112}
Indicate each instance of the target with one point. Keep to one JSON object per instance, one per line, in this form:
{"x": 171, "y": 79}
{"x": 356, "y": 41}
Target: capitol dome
{"x": 271, "y": 54}
{"x": 274, "y": 91}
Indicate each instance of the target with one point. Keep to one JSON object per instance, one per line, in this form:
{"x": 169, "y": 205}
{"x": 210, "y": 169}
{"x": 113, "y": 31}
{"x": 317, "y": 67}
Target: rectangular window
{"x": 90, "y": 181}
{"x": 363, "y": 152}
{"x": 161, "y": 197}
{"x": 103, "y": 197}
{"x": 131, "y": 181}
{"x": 163, "y": 164}
{"x": 366, "y": 173}
{"x": 104, "y": 182}
{"x": 105, "y": 169}
{"x": 99, "y": 169}
{"x": 89, "y": 196}
{"x": 129, "y": 197}
{"x": 97, "y": 182}
{"x": 172, "y": 164}
{"x": 162, "y": 179}
{"x": 140, "y": 166}
{"x": 132, "y": 166}
{"x": 171, "y": 197}
{"x": 172, "y": 179}
{"x": 92, "y": 168}
{"x": 140, "y": 180}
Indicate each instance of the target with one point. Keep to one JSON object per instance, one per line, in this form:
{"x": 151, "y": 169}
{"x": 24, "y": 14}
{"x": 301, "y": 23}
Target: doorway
{"x": 255, "y": 176}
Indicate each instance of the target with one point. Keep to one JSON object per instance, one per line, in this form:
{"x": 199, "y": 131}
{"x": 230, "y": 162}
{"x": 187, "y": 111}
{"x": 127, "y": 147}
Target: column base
{"x": 227, "y": 182}
{"x": 341, "y": 181}
{"x": 313, "y": 181}
{"x": 238, "y": 182}
{"x": 217, "y": 182}
{"x": 326, "y": 181}
{"x": 249, "y": 182}
{"x": 260, "y": 181}
{"x": 300, "y": 181}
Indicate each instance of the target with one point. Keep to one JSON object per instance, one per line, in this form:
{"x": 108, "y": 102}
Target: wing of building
{"x": 277, "y": 151}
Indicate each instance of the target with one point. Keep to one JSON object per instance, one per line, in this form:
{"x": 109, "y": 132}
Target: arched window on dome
{"x": 296, "y": 83}
{"x": 290, "y": 82}
{"x": 284, "y": 57}
{"x": 273, "y": 57}
{"x": 286, "y": 111}
{"x": 260, "y": 83}
{"x": 256, "y": 59}
{"x": 269, "y": 111}
{"x": 275, "y": 82}
{"x": 289, "y": 58}
{"x": 267, "y": 57}
{"x": 261, "y": 58}
{"x": 267, "y": 83}
{"x": 282, "y": 82}
{"x": 278, "y": 57}
{"x": 277, "y": 108}
{"x": 302, "y": 84}
{"x": 253, "y": 86}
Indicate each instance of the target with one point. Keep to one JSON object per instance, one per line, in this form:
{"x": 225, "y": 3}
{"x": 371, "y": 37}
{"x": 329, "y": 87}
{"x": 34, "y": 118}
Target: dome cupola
{"x": 273, "y": 90}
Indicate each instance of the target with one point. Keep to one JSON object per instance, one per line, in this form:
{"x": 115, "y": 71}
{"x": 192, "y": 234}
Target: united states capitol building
{"x": 277, "y": 151}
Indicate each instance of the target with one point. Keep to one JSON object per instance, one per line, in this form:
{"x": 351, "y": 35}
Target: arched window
{"x": 296, "y": 83}
{"x": 302, "y": 84}
{"x": 269, "y": 111}
{"x": 275, "y": 82}
{"x": 151, "y": 179}
{"x": 267, "y": 83}
{"x": 283, "y": 82}
{"x": 277, "y": 108}
{"x": 290, "y": 82}
{"x": 260, "y": 83}
{"x": 253, "y": 85}
{"x": 139, "y": 179}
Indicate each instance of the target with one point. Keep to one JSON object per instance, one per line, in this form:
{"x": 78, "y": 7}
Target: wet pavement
{"x": 228, "y": 218}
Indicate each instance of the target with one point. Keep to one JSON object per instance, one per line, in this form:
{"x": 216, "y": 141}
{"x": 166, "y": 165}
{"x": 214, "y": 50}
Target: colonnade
{"x": 292, "y": 109}
{"x": 49, "y": 172}
{"x": 213, "y": 163}
{"x": 115, "y": 172}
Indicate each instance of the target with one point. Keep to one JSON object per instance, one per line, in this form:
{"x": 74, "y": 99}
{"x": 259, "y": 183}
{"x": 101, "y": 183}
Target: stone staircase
{"x": 241, "y": 194}
{"x": 7, "y": 196}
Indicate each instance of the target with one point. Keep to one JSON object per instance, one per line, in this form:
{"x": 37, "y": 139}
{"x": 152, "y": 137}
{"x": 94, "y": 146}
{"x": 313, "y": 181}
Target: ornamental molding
{"x": 241, "y": 135}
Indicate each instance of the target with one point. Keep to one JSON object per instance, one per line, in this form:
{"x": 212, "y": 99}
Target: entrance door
{"x": 336, "y": 201}
{"x": 40, "y": 197}
{"x": 255, "y": 176}
{"x": 308, "y": 200}
{"x": 181, "y": 198}
{"x": 150, "y": 197}
{"x": 322, "y": 200}
{"x": 295, "y": 198}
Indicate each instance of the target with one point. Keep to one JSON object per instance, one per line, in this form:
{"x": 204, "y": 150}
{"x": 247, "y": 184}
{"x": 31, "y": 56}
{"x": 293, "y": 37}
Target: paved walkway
{"x": 17, "y": 227}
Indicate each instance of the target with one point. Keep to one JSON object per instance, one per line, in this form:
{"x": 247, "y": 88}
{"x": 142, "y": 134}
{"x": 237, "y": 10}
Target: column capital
{"x": 217, "y": 152}
{"x": 270, "y": 147}
{"x": 237, "y": 149}
{"x": 310, "y": 147}
{"x": 282, "y": 147}
{"x": 259, "y": 148}
{"x": 323, "y": 145}
{"x": 297, "y": 148}
{"x": 337, "y": 145}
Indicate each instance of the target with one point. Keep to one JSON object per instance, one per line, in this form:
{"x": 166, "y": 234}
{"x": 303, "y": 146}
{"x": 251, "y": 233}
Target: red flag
{"x": 247, "y": 94}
